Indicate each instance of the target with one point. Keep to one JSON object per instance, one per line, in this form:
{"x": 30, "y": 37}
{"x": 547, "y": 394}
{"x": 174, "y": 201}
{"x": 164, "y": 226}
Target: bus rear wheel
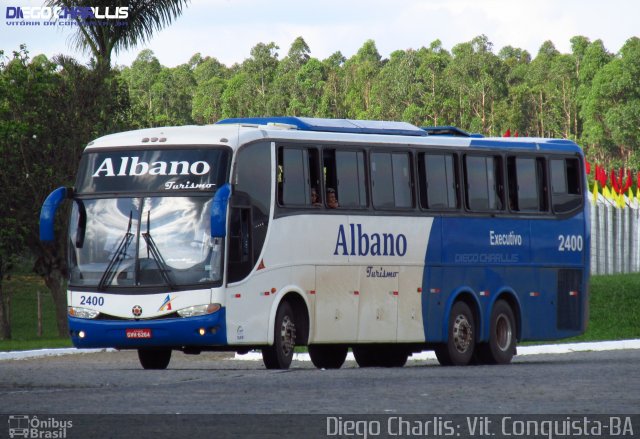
{"x": 502, "y": 336}
{"x": 324, "y": 356}
{"x": 461, "y": 337}
{"x": 157, "y": 359}
{"x": 280, "y": 354}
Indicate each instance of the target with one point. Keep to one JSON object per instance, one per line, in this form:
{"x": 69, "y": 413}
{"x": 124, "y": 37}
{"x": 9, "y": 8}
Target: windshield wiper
{"x": 152, "y": 249}
{"x": 117, "y": 258}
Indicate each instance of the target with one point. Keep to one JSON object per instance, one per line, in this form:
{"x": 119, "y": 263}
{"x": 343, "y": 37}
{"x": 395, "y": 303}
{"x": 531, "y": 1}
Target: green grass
{"x": 24, "y": 316}
{"x": 614, "y": 312}
{"x": 614, "y": 308}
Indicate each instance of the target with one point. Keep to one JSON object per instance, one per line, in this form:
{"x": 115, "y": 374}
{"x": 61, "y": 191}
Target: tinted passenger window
{"x": 345, "y": 174}
{"x": 565, "y": 184}
{"x": 391, "y": 180}
{"x": 295, "y": 177}
{"x": 438, "y": 181}
{"x": 484, "y": 183}
{"x": 526, "y": 184}
{"x": 298, "y": 177}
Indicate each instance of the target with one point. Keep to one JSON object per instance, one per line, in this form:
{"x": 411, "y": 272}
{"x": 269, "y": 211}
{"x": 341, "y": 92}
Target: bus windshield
{"x": 143, "y": 241}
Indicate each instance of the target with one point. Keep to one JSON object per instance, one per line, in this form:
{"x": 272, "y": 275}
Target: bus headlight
{"x": 199, "y": 310}
{"x": 83, "y": 313}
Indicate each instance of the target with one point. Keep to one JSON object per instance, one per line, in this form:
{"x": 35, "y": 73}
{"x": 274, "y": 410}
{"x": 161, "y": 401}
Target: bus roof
{"x": 236, "y": 132}
{"x": 334, "y": 125}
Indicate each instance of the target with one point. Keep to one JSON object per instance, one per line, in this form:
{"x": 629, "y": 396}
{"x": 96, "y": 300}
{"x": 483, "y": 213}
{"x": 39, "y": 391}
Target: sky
{"x": 228, "y": 29}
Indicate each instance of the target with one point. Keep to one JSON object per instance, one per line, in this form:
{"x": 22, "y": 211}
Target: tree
{"x": 612, "y": 109}
{"x": 478, "y": 81}
{"x": 144, "y": 18}
{"x": 332, "y": 101}
{"x": 140, "y": 78}
{"x": 260, "y": 72}
{"x": 48, "y": 113}
{"x": 359, "y": 76}
{"x": 396, "y": 86}
{"x": 590, "y": 61}
{"x": 539, "y": 79}
{"x": 284, "y": 96}
{"x": 432, "y": 106}
{"x": 516, "y": 112}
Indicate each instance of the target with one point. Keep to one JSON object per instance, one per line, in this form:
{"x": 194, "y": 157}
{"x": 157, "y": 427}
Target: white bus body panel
{"x": 153, "y": 305}
{"x": 351, "y": 296}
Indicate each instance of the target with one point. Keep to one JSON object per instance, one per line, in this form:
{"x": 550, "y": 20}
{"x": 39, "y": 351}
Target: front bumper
{"x": 170, "y": 333}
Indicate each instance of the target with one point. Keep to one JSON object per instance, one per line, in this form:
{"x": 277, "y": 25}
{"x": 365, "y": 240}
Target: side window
{"x": 250, "y": 204}
{"x": 438, "y": 181}
{"x": 298, "y": 177}
{"x": 484, "y": 187}
{"x": 391, "y": 180}
{"x": 526, "y": 181}
{"x": 345, "y": 179}
{"x": 566, "y": 194}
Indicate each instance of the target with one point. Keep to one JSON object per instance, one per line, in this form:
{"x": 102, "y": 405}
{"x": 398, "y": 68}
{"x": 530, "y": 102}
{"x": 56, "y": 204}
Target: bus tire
{"x": 325, "y": 356}
{"x": 380, "y": 356}
{"x": 461, "y": 336}
{"x": 154, "y": 359}
{"x": 365, "y": 356}
{"x": 502, "y": 336}
{"x": 280, "y": 354}
{"x": 396, "y": 356}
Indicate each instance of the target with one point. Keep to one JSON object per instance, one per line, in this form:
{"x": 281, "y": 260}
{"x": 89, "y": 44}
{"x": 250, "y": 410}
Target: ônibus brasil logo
{"x": 65, "y": 16}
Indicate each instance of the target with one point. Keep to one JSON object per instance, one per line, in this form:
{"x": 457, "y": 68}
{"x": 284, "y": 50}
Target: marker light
{"x": 199, "y": 310}
{"x": 82, "y": 313}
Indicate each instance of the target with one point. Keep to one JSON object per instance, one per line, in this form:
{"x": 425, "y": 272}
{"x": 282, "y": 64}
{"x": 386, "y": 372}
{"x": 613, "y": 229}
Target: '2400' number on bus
{"x": 570, "y": 243}
{"x": 91, "y": 300}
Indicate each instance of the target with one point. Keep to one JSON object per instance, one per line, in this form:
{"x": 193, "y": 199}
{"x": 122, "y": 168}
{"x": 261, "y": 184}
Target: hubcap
{"x": 462, "y": 333}
{"x": 288, "y": 335}
{"x": 503, "y": 332}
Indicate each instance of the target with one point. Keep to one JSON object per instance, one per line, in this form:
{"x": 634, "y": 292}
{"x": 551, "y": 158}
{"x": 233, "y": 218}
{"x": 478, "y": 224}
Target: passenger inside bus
{"x": 315, "y": 199}
{"x": 332, "y": 201}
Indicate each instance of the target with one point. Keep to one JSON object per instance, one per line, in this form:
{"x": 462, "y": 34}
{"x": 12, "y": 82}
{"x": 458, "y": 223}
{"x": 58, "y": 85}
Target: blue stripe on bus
{"x": 176, "y": 332}
{"x": 522, "y": 263}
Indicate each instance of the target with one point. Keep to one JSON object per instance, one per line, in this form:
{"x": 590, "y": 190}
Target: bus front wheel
{"x": 157, "y": 359}
{"x": 502, "y": 336}
{"x": 325, "y": 356}
{"x": 280, "y": 354}
{"x": 461, "y": 337}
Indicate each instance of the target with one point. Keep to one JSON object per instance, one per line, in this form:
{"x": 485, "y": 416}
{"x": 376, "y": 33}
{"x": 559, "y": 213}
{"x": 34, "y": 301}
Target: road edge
{"x": 563, "y": 348}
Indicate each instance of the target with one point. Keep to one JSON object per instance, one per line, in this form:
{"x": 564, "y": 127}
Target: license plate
{"x": 138, "y": 333}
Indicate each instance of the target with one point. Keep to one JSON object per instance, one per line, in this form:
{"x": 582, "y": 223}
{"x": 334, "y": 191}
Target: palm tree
{"x": 144, "y": 18}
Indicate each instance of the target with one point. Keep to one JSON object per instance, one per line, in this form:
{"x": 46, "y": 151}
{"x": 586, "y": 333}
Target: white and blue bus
{"x": 272, "y": 233}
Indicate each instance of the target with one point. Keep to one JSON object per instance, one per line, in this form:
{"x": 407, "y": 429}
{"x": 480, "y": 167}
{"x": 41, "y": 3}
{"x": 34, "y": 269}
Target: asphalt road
{"x": 99, "y": 384}
{"x": 114, "y": 383}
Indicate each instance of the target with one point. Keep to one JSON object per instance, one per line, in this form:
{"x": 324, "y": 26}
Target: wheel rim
{"x": 503, "y": 332}
{"x": 462, "y": 333}
{"x": 287, "y": 335}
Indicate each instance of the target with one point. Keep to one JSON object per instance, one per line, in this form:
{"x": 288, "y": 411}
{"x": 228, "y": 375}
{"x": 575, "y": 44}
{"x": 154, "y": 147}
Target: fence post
{"x": 39, "y": 296}
{"x": 593, "y": 206}
{"x": 609, "y": 238}
{"x": 635, "y": 260}
{"x": 626, "y": 239}
{"x": 602, "y": 235}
